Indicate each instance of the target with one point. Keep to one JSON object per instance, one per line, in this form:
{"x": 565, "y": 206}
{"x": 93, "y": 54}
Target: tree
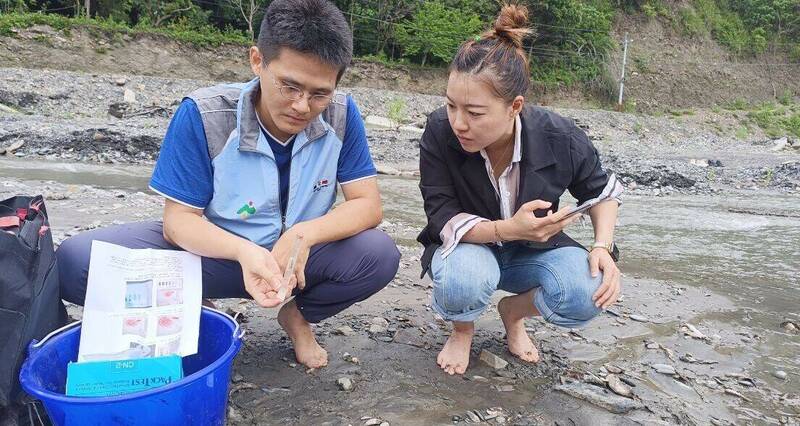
{"x": 436, "y": 30}
{"x": 159, "y": 13}
{"x": 249, "y": 9}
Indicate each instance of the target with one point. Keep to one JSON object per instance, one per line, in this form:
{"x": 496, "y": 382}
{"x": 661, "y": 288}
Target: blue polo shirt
{"x": 184, "y": 173}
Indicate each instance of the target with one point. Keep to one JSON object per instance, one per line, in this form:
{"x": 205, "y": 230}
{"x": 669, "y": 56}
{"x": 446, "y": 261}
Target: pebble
{"x": 233, "y": 415}
{"x": 504, "y": 388}
{"x": 492, "y": 360}
{"x": 350, "y": 358}
{"x": 129, "y": 96}
{"x": 372, "y": 422}
{"x": 639, "y": 318}
{"x": 506, "y": 374}
{"x": 376, "y": 329}
{"x": 345, "y": 384}
{"x": 690, "y": 330}
{"x": 617, "y": 386}
{"x": 780, "y": 374}
{"x": 378, "y": 325}
{"x": 344, "y": 331}
{"x": 664, "y": 368}
{"x": 473, "y": 417}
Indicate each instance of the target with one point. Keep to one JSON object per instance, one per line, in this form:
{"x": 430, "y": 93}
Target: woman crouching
{"x": 492, "y": 171}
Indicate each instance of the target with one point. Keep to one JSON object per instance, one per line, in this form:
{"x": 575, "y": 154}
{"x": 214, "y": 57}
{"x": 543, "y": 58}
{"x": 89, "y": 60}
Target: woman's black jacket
{"x": 556, "y": 156}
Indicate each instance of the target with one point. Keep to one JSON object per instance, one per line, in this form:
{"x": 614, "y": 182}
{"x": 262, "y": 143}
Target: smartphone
{"x": 578, "y": 210}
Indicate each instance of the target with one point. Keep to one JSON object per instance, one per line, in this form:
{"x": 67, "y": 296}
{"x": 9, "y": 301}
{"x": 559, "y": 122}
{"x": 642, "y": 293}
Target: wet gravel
{"x": 75, "y": 116}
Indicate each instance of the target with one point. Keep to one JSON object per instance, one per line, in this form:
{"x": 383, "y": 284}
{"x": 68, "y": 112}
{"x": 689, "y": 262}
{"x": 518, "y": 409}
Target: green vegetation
{"x": 768, "y": 175}
{"x": 397, "y": 110}
{"x": 205, "y": 36}
{"x": 776, "y": 120}
{"x": 681, "y": 112}
{"x": 742, "y": 132}
{"x": 571, "y": 49}
{"x": 436, "y": 31}
{"x": 746, "y": 27}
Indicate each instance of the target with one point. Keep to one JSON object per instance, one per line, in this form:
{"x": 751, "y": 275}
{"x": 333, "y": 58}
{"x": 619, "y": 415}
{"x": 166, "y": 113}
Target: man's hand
{"x": 525, "y": 226}
{"x": 609, "y": 290}
{"x": 282, "y": 251}
{"x": 262, "y": 276}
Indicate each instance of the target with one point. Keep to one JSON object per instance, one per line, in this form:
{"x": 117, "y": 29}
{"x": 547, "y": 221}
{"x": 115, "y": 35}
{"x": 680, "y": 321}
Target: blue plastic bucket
{"x": 200, "y": 398}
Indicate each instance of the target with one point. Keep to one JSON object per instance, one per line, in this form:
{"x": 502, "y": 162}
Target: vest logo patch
{"x": 321, "y": 184}
{"x": 246, "y": 210}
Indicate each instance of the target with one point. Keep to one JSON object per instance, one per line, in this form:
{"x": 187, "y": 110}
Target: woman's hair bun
{"x": 511, "y": 25}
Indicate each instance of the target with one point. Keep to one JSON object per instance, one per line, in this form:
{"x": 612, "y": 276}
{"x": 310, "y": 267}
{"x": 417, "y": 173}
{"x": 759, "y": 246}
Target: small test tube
{"x": 284, "y": 290}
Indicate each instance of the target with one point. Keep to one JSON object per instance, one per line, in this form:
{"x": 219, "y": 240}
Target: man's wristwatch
{"x": 611, "y": 248}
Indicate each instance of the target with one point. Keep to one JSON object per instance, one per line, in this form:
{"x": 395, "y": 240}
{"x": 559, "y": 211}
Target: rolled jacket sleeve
{"x": 455, "y": 229}
{"x": 588, "y": 177}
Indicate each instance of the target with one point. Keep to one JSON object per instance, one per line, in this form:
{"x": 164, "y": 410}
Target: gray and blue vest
{"x": 246, "y": 185}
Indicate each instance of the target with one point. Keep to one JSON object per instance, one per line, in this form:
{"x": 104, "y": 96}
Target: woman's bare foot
{"x": 454, "y": 357}
{"x": 306, "y": 349}
{"x": 513, "y": 311}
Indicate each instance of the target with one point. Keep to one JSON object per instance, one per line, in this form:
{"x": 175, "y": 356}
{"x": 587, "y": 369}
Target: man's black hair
{"x": 308, "y": 26}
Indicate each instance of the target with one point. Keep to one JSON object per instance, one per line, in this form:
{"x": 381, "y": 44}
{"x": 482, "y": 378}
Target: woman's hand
{"x": 609, "y": 290}
{"x": 526, "y": 226}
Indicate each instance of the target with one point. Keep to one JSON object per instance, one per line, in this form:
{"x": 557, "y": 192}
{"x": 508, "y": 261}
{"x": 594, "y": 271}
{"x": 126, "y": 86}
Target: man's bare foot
{"x": 454, "y": 357}
{"x": 513, "y": 311}
{"x": 306, "y": 349}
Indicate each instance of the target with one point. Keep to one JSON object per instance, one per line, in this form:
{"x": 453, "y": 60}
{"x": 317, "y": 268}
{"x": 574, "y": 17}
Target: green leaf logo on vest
{"x": 247, "y": 210}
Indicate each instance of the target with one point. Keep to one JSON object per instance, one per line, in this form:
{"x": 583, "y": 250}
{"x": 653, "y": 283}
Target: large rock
{"x": 412, "y": 129}
{"x": 378, "y": 121}
{"x": 600, "y": 397}
{"x": 13, "y": 147}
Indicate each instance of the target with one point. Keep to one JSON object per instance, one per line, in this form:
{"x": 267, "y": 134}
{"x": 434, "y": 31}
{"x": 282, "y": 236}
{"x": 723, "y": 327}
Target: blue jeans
{"x": 464, "y": 282}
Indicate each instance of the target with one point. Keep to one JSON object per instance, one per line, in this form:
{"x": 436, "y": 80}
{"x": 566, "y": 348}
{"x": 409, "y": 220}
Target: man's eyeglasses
{"x": 293, "y": 93}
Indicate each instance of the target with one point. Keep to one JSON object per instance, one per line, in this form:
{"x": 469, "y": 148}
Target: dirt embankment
{"x": 665, "y": 70}
{"x": 151, "y": 55}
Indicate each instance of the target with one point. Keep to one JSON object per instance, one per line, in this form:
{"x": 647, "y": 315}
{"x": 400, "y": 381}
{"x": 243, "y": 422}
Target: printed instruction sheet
{"x": 140, "y": 303}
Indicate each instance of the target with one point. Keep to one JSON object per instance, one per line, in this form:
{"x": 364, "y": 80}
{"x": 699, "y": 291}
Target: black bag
{"x": 30, "y": 303}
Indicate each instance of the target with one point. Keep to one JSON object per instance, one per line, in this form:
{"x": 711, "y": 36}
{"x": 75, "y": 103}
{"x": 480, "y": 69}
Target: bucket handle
{"x": 35, "y": 345}
{"x": 238, "y": 332}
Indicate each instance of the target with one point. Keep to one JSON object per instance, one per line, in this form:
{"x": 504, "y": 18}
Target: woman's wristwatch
{"x": 611, "y": 248}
